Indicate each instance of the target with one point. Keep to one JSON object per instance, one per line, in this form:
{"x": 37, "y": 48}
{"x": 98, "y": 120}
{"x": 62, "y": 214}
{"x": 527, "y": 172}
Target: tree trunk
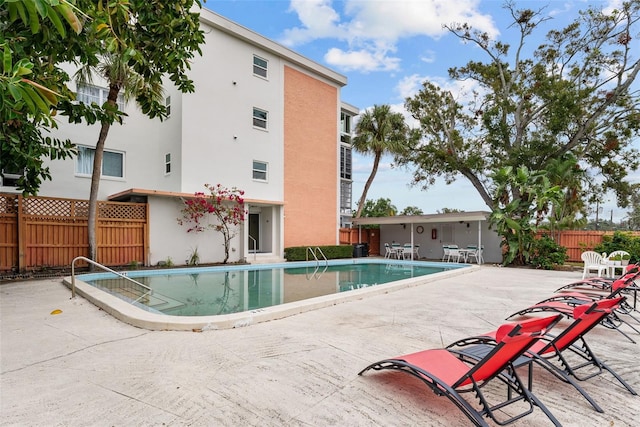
{"x": 95, "y": 178}
{"x": 93, "y": 195}
{"x": 367, "y": 185}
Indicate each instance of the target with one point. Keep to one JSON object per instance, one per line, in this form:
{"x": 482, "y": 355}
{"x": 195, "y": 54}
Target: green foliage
{"x": 154, "y": 39}
{"x": 378, "y": 208}
{"x": 547, "y": 254}
{"x": 34, "y": 39}
{"x": 412, "y": 210}
{"x": 448, "y": 210}
{"x": 299, "y": 253}
{"x": 620, "y": 241}
{"x": 555, "y": 110}
{"x": 522, "y": 198}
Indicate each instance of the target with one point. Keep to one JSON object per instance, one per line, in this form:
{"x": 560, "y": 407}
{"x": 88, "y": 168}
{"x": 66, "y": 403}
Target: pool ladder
{"x": 85, "y": 259}
{"x": 314, "y": 252}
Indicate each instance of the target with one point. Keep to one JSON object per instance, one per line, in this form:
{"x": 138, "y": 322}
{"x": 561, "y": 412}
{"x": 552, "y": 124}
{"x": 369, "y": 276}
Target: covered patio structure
{"x": 431, "y": 232}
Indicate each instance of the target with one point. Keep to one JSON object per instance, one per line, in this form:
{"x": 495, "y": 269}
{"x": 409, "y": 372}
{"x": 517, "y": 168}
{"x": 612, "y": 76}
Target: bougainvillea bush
{"x": 221, "y": 210}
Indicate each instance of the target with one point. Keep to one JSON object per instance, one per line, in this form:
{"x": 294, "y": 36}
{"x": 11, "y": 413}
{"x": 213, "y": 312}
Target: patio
{"x": 83, "y": 367}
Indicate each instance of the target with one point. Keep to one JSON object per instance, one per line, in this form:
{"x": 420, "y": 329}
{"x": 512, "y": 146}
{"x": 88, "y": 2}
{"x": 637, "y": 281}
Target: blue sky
{"x": 387, "y": 48}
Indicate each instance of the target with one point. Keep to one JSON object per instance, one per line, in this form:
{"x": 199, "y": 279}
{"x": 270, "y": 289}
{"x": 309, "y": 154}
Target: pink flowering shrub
{"x": 225, "y": 205}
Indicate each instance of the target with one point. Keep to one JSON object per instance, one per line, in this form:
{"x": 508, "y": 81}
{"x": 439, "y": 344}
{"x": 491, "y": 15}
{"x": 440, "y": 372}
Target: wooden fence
{"x": 578, "y": 241}
{"x": 44, "y": 232}
{"x": 371, "y": 236}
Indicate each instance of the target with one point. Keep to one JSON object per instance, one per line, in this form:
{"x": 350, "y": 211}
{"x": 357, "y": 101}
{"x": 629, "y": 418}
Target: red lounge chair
{"x": 600, "y": 283}
{"x": 550, "y": 349}
{"x": 447, "y": 375}
{"x": 565, "y": 302}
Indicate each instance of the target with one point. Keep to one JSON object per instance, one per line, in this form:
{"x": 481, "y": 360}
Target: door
{"x": 254, "y": 232}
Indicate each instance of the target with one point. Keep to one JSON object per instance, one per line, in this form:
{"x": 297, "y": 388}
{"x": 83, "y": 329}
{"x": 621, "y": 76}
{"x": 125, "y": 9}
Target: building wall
{"x": 169, "y": 240}
{"x": 143, "y": 141}
{"x": 310, "y": 160}
{"x": 211, "y": 139}
{"x": 219, "y": 141}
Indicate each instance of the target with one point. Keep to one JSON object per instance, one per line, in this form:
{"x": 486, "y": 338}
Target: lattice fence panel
{"x": 130, "y": 211}
{"x": 8, "y": 204}
{"x": 54, "y": 231}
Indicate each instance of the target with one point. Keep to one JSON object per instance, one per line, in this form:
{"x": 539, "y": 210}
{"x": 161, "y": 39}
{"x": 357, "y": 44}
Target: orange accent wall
{"x": 310, "y": 160}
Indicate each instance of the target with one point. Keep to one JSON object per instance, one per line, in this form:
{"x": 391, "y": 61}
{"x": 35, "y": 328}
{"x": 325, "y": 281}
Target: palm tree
{"x": 379, "y": 131}
{"x": 134, "y": 46}
{"x": 123, "y": 79}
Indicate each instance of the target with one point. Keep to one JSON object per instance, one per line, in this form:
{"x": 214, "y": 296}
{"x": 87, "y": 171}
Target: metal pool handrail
{"x": 73, "y": 275}
{"x": 315, "y": 256}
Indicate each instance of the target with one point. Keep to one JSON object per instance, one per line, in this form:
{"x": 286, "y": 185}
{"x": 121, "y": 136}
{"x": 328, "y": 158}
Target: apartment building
{"x": 263, "y": 119}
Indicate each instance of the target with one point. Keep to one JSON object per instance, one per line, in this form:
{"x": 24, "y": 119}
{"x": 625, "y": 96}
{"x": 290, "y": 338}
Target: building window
{"x": 88, "y": 94}
{"x": 9, "y": 176}
{"x": 345, "y": 197}
{"x": 259, "y": 118}
{"x": 259, "y": 170}
{"x": 167, "y": 163}
{"x": 345, "y": 128}
{"x": 345, "y": 162}
{"x": 112, "y": 162}
{"x": 167, "y": 104}
{"x": 345, "y": 123}
{"x": 260, "y": 66}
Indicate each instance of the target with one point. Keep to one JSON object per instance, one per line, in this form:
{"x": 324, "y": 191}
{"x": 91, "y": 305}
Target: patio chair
{"x": 600, "y": 283}
{"x": 445, "y": 252}
{"x": 548, "y": 351}
{"x": 454, "y": 253}
{"x": 407, "y": 251}
{"x": 593, "y": 261}
{"x": 565, "y": 302}
{"x": 447, "y": 375}
{"x": 388, "y": 253}
{"x": 609, "y": 261}
{"x": 474, "y": 254}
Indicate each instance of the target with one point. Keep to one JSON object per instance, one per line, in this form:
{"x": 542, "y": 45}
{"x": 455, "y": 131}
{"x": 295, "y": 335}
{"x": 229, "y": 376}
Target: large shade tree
{"x": 571, "y": 98}
{"x": 35, "y": 37}
{"x": 141, "y": 45}
{"x": 379, "y": 131}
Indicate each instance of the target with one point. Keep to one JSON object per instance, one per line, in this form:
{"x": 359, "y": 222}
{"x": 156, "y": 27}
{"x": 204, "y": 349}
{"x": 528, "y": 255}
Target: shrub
{"x": 299, "y": 253}
{"x": 547, "y": 253}
{"x": 620, "y": 241}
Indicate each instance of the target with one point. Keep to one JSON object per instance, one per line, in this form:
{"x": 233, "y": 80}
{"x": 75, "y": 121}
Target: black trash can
{"x": 360, "y": 250}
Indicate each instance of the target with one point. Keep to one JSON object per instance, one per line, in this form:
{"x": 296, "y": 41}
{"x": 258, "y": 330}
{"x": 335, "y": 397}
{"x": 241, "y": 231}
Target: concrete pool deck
{"x": 83, "y": 367}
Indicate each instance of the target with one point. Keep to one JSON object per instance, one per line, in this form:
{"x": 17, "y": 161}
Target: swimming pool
{"x": 239, "y": 295}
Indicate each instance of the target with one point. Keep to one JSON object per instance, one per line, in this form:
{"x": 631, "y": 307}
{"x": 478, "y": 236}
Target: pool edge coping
{"x": 140, "y": 318}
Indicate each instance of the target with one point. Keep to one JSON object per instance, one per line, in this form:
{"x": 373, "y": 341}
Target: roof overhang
{"x": 424, "y": 219}
{"x": 132, "y": 192}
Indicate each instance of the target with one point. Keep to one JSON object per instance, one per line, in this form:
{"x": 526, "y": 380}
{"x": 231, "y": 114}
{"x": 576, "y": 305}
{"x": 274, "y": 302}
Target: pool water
{"x": 225, "y": 290}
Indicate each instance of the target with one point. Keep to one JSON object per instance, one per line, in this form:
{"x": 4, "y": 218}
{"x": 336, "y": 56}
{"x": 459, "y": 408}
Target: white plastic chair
{"x": 610, "y": 263}
{"x": 387, "y": 251}
{"x": 445, "y": 252}
{"x": 593, "y": 261}
{"x": 472, "y": 253}
{"x": 454, "y": 254}
{"x": 614, "y": 253}
{"x": 407, "y": 252}
{"x": 416, "y": 251}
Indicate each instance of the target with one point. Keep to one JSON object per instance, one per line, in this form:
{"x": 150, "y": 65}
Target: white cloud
{"x": 371, "y": 28}
{"x": 362, "y": 60}
{"x": 319, "y": 20}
